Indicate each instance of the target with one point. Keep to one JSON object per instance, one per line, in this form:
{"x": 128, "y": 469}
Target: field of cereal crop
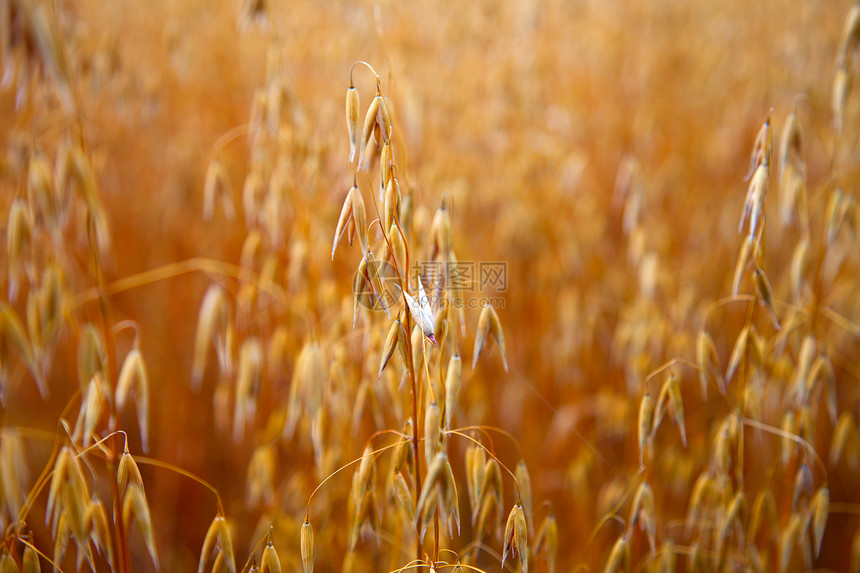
{"x": 396, "y": 286}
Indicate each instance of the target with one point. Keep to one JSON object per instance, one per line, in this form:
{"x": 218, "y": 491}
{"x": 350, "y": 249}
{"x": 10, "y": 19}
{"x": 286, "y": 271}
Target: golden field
{"x": 636, "y": 224}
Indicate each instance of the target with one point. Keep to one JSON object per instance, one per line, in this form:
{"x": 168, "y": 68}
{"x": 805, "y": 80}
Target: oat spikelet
{"x": 524, "y": 481}
{"x": 30, "y": 561}
{"x": 19, "y": 233}
{"x": 96, "y": 516}
{"x": 789, "y": 425}
{"x": 343, "y": 221}
{"x": 643, "y": 511}
{"x": 741, "y": 265}
{"x": 369, "y": 124}
{"x": 217, "y": 187}
{"x": 547, "y": 541}
{"x": 452, "y": 388}
{"x": 839, "y": 100}
{"x": 855, "y": 553}
{"x": 14, "y": 474}
{"x": 754, "y": 202}
{"x": 799, "y": 268}
{"x": 764, "y": 293}
{"x": 247, "y": 385}
{"x": 789, "y": 538}
{"x": 359, "y": 217}
{"x": 213, "y": 323}
{"x": 820, "y": 511}
{"x": 261, "y": 477}
{"x": 734, "y": 515}
{"x": 646, "y": 422}
{"x": 516, "y": 542}
{"x": 269, "y": 562}
{"x": 850, "y": 35}
{"x": 845, "y": 442}
{"x": 435, "y": 472}
{"x": 352, "y": 107}
{"x": 129, "y": 474}
{"x": 451, "y": 498}
{"x": 307, "y": 547}
{"x": 12, "y": 331}
{"x": 489, "y": 326}
{"x": 218, "y": 535}
{"x": 739, "y": 350}
{"x": 7, "y": 564}
{"x": 619, "y": 557}
{"x": 432, "y": 432}
{"x": 391, "y": 343}
{"x": 702, "y": 489}
{"x": 423, "y": 314}
{"x": 403, "y": 495}
{"x": 764, "y": 507}
{"x": 707, "y": 361}
{"x": 134, "y": 504}
{"x": 789, "y": 142}
{"x": 135, "y": 375}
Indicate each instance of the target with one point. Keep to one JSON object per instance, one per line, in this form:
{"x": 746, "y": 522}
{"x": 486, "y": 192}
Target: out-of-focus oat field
{"x": 635, "y": 223}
